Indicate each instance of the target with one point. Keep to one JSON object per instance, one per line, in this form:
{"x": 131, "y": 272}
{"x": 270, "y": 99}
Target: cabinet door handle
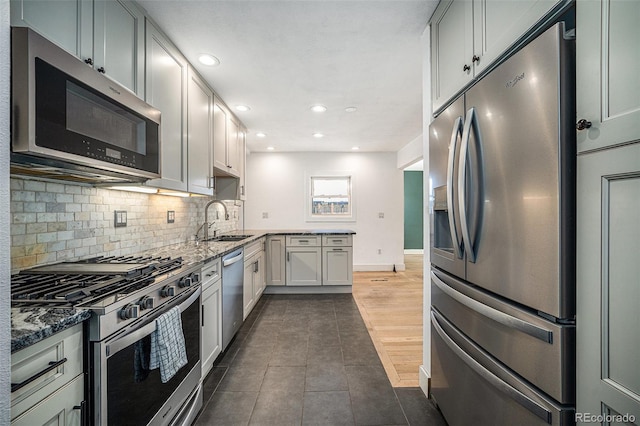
{"x": 466, "y": 67}
{"x": 202, "y": 316}
{"x": 475, "y": 58}
{"x": 337, "y": 249}
{"x": 287, "y": 256}
{"x": 52, "y": 366}
{"x": 255, "y": 266}
{"x": 88, "y": 61}
{"x": 583, "y": 124}
{"x": 101, "y": 70}
{"x": 82, "y": 408}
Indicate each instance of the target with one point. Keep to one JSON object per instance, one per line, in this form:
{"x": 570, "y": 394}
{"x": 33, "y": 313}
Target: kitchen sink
{"x": 227, "y": 238}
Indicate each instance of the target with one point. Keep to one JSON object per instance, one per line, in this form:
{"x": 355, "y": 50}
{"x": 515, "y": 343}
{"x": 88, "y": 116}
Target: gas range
{"x": 118, "y": 290}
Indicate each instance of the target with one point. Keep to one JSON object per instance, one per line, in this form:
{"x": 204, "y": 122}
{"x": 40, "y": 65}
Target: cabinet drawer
{"x": 303, "y": 241}
{"x": 57, "y": 409}
{"x": 33, "y": 360}
{"x": 210, "y": 273}
{"x": 253, "y": 248}
{"x": 336, "y": 240}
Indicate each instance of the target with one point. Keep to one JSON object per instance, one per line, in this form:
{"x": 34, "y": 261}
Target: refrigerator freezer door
{"x": 444, "y": 146}
{"x": 539, "y": 350}
{"x": 472, "y": 388}
{"x": 519, "y": 225}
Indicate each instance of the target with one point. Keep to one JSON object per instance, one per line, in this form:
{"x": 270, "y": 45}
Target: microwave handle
{"x": 129, "y": 338}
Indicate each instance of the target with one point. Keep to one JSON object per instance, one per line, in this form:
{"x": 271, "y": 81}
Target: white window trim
{"x": 309, "y": 217}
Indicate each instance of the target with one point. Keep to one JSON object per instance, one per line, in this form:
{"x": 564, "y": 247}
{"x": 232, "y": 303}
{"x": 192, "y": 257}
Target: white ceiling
{"x": 282, "y": 57}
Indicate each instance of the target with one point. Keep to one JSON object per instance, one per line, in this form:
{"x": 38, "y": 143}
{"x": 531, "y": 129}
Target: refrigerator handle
{"x": 455, "y": 133}
{"x": 519, "y": 397}
{"x": 471, "y": 120}
{"x": 494, "y": 314}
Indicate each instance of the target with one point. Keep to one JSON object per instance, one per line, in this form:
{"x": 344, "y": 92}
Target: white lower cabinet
{"x": 47, "y": 381}
{"x": 337, "y": 266}
{"x": 304, "y": 266}
{"x": 61, "y": 408}
{"x": 276, "y": 255}
{"x": 337, "y": 260}
{"x": 254, "y": 276}
{"x": 211, "y": 330}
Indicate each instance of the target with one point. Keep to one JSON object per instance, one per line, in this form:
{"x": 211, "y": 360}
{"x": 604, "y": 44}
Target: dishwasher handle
{"x": 231, "y": 261}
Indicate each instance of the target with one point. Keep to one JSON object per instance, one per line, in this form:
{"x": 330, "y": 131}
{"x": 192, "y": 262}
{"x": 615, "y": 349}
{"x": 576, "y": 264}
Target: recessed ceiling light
{"x": 209, "y": 60}
{"x": 351, "y": 109}
{"x": 270, "y": 148}
{"x": 318, "y": 135}
{"x": 355, "y": 148}
{"x": 318, "y": 108}
{"x": 242, "y": 108}
{"x": 261, "y": 134}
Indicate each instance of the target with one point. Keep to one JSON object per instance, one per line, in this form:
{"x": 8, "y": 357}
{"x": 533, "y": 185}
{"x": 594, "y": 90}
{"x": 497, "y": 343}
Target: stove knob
{"x": 129, "y": 311}
{"x": 146, "y": 302}
{"x": 168, "y": 291}
{"x": 195, "y": 278}
{"x": 185, "y": 282}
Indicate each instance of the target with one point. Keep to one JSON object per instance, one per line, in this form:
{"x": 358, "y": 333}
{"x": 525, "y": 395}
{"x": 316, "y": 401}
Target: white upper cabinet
{"x": 607, "y": 82}
{"x": 166, "y": 90}
{"x": 468, "y": 36}
{"x": 220, "y": 120}
{"x": 451, "y": 49}
{"x": 58, "y": 21}
{"x": 118, "y": 43}
{"x": 107, "y": 34}
{"x": 242, "y": 158}
{"x": 200, "y": 121}
{"x": 226, "y": 139}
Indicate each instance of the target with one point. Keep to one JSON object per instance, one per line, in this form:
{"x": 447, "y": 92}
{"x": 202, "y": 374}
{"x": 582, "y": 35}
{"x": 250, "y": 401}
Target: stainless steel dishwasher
{"x": 232, "y": 278}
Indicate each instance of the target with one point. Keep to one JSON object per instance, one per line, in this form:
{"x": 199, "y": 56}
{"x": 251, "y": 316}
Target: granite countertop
{"x": 30, "y": 325}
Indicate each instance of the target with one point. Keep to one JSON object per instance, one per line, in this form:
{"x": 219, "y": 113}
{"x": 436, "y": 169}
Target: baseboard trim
{"x": 425, "y": 381}
{"x": 325, "y": 289}
{"x": 413, "y": 251}
{"x": 374, "y": 268}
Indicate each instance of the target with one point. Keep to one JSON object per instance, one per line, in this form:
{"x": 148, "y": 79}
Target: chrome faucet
{"x": 206, "y": 224}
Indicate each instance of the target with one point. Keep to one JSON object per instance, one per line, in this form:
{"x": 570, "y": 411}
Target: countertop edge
{"x": 29, "y": 325}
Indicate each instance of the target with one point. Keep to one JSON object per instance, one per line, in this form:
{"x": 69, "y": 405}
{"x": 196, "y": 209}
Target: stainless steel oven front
{"x": 125, "y": 394}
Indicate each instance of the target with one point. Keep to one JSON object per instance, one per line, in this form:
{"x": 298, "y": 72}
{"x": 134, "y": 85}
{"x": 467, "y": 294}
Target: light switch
{"x": 265, "y": 215}
{"x": 381, "y": 215}
{"x": 171, "y": 216}
{"x": 119, "y": 218}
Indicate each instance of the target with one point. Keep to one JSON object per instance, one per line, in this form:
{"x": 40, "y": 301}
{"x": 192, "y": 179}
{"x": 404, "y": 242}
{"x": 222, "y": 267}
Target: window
{"x": 331, "y": 197}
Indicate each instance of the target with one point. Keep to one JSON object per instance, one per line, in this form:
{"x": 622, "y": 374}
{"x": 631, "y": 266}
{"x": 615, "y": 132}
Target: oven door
{"x": 124, "y": 393}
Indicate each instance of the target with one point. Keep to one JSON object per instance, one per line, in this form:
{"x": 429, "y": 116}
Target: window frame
{"x": 335, "y": 217}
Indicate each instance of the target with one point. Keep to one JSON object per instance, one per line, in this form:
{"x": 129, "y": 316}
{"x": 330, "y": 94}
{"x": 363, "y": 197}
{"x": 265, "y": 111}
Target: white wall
{"x": 276, "y": 186}
{"x": 5, "y": 264}
{"x": 425, "y": 368}
{"x": 410, "y": 153}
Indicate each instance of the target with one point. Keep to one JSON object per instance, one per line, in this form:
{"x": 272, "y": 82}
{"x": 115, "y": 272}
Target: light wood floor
{"x": 391, "y": 306}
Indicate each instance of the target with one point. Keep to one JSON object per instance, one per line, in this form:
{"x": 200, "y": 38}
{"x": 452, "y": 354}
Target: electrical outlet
{"x": 265, "y": 215}
{"x": 381, "y": 215}
{"x": 171, "y": 216}
{"x": 119, "y": 218}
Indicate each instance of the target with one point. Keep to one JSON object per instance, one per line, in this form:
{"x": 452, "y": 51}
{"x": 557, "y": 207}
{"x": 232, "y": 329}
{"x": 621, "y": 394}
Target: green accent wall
{"x": 413, "y": 210}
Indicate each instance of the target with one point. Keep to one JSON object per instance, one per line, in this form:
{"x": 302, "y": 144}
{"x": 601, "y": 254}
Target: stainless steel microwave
{"x": 69, "y": 117}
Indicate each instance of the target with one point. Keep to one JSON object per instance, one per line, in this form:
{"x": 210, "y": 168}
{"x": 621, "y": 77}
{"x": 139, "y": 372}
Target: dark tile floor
{"x": 307, "y": 359}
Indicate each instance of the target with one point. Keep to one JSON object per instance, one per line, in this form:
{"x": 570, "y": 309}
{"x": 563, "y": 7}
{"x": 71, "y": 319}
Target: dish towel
{"x": 168, "y": 351}
{"x": 141, "y": 354}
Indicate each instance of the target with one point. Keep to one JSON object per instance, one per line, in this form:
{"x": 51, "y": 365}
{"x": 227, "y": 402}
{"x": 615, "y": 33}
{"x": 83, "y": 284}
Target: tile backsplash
{"x": 53, "y": 222}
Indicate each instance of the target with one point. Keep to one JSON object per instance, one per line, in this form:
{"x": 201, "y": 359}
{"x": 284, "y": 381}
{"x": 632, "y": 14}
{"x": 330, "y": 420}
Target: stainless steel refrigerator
{"x": 502, "y": 169}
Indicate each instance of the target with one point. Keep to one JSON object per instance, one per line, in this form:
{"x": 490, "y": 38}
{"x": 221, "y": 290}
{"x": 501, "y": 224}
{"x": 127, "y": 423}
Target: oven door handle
{"x": 131, "y": 337}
